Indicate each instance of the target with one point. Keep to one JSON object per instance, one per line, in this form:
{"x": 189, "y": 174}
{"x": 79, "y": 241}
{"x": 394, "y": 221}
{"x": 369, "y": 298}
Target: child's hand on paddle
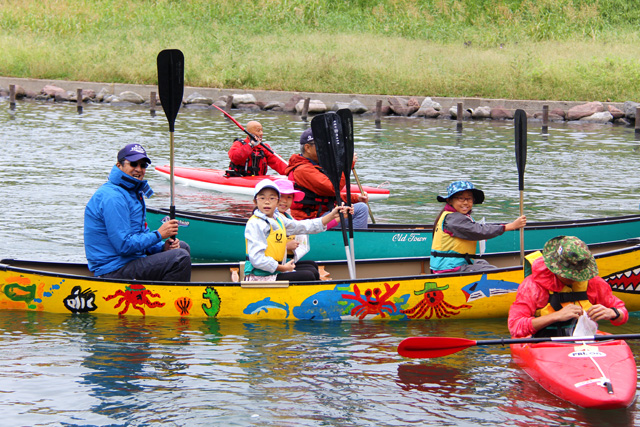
{"x": 517, "y": 224}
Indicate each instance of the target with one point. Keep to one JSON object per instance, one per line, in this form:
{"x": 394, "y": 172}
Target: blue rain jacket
{"x": 115, "y": 226}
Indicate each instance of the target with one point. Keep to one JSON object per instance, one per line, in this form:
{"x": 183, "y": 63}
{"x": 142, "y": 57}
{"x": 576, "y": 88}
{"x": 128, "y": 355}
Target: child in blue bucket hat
{"x": 456, "y": 234}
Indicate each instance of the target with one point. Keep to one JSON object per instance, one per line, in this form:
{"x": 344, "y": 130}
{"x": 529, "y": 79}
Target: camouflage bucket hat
{"x": 570, "y": 258}
{"x": 458, "y": 186}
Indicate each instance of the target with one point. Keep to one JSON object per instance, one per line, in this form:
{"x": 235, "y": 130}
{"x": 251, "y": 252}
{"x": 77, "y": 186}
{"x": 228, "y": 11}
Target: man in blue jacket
{"x": 117, "y": 241}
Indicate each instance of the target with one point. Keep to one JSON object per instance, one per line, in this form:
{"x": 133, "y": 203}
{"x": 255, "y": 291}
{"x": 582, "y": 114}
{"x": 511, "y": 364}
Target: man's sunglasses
{"x": 142, "y": 164}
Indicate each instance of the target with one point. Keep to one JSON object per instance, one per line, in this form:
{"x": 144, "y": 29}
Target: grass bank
{"x": 520, "y": 49}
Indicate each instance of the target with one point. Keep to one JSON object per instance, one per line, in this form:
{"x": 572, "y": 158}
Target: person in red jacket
{"x": 249, "y": 157}
{"x": 563, "y": 284}
{"x": 319, "y": 193}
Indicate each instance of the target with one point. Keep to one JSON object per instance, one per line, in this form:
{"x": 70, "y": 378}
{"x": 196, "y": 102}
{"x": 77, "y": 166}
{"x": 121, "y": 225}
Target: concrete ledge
{"x": 531, "y": 106}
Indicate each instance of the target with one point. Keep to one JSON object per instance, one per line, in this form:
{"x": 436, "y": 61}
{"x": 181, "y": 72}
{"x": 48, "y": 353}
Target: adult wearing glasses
{"x": 456, "y": 234}
{"x": 319, "y": 193}
{"x": 117, "y": 242}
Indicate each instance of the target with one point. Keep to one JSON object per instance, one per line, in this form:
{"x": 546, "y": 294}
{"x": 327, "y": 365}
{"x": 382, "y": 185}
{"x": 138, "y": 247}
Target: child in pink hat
{"x": 288, "y": 195}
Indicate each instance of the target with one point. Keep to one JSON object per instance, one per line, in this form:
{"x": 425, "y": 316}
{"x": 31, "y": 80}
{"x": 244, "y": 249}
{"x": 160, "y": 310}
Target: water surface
{"x": 105, "y": 370}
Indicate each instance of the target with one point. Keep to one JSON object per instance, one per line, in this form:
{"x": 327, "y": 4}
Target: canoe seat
{"x": 270, "y": 284}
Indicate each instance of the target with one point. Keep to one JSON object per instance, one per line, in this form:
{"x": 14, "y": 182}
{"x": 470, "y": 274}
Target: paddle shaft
{"x": 355, "y": 175}
{"x": 347, "y": 125}
{"x": 327, "y": 134}
{"x": 430, "y": 347}
{"x": 520, "y": 125}
{"x": 346, "y": 122}
{"x": 170, "y": 64}
{"x": 227, "y": 115}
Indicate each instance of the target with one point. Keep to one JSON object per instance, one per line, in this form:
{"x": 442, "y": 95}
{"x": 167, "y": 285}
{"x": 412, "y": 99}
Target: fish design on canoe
{"x": 485, "y": 288}
{"x": 265, "y": 305}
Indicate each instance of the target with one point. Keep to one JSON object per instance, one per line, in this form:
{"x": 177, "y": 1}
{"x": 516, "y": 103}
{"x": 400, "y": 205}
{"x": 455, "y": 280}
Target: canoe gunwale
{"x": 388, "y": 227}
{"x": 37, "y": 267}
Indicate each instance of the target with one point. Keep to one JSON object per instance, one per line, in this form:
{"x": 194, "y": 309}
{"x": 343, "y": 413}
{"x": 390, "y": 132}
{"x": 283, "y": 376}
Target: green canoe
{"x": 219, "y": 238}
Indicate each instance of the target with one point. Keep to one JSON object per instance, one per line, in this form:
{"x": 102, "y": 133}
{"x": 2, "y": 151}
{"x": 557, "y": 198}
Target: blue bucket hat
{"x": 458, "y": 186}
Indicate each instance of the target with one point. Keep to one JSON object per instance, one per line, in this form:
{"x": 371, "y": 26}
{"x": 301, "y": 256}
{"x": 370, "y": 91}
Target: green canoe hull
{"x": 218, "y": 238}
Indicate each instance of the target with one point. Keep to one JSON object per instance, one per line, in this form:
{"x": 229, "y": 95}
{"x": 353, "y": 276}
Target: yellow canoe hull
{"x": 66, "y": 288}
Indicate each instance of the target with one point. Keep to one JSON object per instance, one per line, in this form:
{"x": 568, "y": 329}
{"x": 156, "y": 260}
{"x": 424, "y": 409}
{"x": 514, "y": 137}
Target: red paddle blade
{"x": 428, "y": 347}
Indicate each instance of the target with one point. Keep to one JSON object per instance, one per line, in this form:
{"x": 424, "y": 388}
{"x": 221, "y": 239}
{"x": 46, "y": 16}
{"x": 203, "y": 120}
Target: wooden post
{"x": 305, "y": 108}
{"x": 229, "y": 104}
{"x": 152, "y": 103}
{"x": 378, "y": 111}
{"x": 637, "y": 120}
{"x": 79, "y": 100}
{"x": 545, "y": 118}
{"x": 12, "y": 97}
{"x": 460, "y": 114}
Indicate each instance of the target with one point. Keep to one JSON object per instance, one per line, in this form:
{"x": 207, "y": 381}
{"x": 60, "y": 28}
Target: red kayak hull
{"x": 215, "y": 179}
{"x": 568, "y": 371}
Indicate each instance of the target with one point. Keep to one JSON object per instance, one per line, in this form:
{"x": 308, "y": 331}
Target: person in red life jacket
{"x": 563, "y": 284}
{"x": 456, "y": 234}
{"x": 319, "y": 193}
{"x": 252, "y": 157}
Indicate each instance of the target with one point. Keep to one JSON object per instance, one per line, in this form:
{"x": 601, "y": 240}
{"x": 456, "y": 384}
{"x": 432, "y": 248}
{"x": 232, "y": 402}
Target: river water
{"x": 103, "y": 370}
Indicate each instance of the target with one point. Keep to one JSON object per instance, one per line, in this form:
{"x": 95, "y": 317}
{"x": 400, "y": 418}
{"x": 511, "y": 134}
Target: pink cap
{"x": 286, "y": 187}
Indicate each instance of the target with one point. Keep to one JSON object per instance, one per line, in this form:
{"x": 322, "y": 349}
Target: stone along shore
{"x": 316, "y": 103}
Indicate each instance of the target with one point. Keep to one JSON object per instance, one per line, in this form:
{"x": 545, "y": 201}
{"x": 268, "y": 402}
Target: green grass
{"x": 522, "y": 49}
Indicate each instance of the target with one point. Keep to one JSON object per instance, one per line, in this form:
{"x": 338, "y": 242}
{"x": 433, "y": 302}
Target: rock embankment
{"x": 595, "y": 112}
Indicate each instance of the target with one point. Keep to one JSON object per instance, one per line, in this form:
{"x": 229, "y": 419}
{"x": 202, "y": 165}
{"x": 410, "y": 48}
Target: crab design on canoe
{"x": 433, "y": 303}
{"x": 137, "y": 296}
{"x": 374, "y": 302}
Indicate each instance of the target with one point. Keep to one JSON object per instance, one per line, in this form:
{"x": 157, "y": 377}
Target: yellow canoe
{"x": 394, "y": 289}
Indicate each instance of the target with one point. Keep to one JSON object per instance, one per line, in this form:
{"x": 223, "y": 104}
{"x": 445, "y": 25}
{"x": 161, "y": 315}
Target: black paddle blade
{"x": 171, "y": 83}
{"x": 520, "y": 124}
{"x": 346, "y": 118}
{"x": 322, "y": 135}
{"x": 334, "y": 128}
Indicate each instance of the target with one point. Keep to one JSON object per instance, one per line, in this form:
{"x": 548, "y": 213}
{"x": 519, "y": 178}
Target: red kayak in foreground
{"x": 215, "y": 179}
{"x": 598, "y": 375}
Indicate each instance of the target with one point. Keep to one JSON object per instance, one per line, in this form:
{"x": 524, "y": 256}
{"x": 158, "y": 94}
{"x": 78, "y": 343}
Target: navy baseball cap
{"x": 133, "y": 153}
{"x": 306, "y": 137}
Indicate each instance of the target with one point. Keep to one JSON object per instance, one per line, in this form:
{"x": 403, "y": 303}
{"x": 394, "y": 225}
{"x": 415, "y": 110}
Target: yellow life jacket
{"x": 448, "y": 252}
{"x": 276, "y": 246}
{"x": 577, "y": 294}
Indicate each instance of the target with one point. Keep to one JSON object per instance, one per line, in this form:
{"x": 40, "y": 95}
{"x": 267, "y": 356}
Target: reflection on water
{"x": 54, "y": 159}
{"x": 106, "y": 370}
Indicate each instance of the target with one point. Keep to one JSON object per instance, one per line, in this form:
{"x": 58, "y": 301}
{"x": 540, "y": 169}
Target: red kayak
{"x": 598, "y": 375}
{"x": 215, "y": 179}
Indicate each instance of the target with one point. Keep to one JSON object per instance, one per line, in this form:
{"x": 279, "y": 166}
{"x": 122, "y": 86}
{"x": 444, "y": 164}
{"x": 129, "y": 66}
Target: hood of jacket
{"x": 129, "y": 183}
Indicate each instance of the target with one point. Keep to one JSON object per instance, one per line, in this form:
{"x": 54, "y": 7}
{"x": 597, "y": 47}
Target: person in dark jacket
{"x": 319, "y": 193}
{"x": 117, "y": 241}
{"x": 250, "y": 158}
